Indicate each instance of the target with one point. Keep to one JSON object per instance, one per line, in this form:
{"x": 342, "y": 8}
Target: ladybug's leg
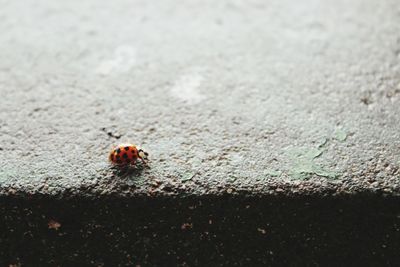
{"x": 133, "y": 163}
{"x": 144, "y": 162}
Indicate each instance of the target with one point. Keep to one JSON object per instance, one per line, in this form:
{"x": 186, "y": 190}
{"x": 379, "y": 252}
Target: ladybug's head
{"x": 142, "y": 154}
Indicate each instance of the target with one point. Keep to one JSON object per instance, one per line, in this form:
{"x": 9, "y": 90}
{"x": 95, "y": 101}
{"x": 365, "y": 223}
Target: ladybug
{"x": 127, "y": 154}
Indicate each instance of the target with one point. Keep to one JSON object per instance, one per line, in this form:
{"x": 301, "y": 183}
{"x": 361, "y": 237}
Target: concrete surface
{"x": 238, "y": 98}
{"x": 253, "y": 96}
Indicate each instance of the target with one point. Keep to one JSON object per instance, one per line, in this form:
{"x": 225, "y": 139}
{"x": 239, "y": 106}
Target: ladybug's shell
{"x": 124, "y": 154}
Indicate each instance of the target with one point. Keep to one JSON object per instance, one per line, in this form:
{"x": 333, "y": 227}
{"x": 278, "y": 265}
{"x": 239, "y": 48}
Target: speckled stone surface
{"x": 261, "y": 97}
{"x": 273, "y": 129}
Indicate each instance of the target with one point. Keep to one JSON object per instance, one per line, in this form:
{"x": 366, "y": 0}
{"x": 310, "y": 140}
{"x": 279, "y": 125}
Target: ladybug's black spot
{"x": 126, "y": 148}
{"x": 125, "y": 156}
{"x": 118, "y": 151}
{"x": 118, "y": 157}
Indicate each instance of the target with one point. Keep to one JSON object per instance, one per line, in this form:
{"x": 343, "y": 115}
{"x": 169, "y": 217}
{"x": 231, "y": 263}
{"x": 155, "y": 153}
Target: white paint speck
{"x": 186, "y": 88}
{"x": 121, "y": 61}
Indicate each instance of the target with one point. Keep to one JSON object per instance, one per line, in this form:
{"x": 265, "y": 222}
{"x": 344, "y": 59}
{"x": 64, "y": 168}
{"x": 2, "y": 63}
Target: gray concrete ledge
{"x": 279, "y": 121}
{"x": 261, "y": 97}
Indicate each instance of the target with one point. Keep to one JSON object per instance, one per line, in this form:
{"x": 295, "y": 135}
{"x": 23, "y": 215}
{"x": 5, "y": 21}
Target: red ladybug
{"x": 127, "y": 154}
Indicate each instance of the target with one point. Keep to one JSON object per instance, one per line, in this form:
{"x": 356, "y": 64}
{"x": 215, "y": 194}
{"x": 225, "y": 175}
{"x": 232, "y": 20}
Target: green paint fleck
{"x": 323, "y": 142}
{"x": 303, "y": 165}
{"x": 302, "y": 153}
{"x": 320, "y": 171}
{"x": 188, "y": 177}
{"x": 340, "y": 135}
{"x": 272, "y": 173}
{"x": 232, "y": 179}
{"x": 314, "y": 153}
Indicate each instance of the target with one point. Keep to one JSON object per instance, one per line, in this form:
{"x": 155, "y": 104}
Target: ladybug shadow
{"x": 128, "y": 171}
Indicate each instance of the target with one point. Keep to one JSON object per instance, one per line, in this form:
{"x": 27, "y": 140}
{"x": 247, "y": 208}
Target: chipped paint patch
{"x": 303, "y": 165}
{"x": 188, "y": 176}
{"x": 272, "y": 173}
{"x": 340, "y": 135}
{"x": 231, "y": 179}
{"x": 323, "y": 142}
{"x": 186, "y": 88}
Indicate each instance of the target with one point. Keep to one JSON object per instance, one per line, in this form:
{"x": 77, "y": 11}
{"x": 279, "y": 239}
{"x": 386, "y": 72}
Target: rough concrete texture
{"x": 273, "y": 129}
{"x": 229, "y": 96}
